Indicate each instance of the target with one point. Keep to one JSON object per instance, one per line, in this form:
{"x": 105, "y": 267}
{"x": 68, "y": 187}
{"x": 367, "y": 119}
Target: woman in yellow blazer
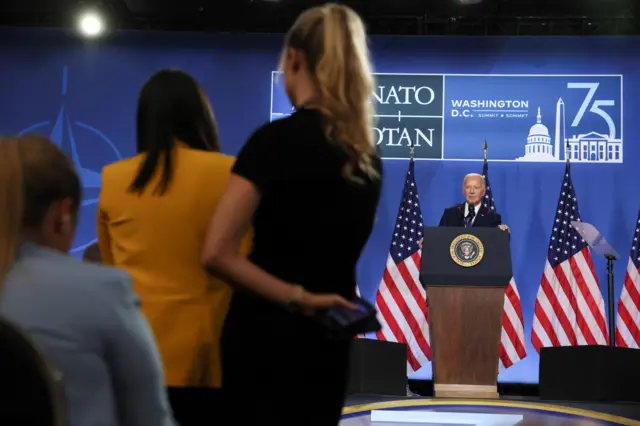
{"x": 153, "y": 214}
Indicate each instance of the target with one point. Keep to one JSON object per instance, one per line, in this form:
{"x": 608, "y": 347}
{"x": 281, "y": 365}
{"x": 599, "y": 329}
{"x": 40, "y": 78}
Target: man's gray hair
{"x": 475, "y": 175}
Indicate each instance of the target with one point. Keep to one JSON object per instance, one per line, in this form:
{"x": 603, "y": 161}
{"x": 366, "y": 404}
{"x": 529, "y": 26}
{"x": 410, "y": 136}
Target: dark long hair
{"x": 172, "y": 106}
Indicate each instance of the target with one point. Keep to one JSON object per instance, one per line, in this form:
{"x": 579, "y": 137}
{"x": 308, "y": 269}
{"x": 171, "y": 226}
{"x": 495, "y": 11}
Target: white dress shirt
{"x": 476, "y": 209}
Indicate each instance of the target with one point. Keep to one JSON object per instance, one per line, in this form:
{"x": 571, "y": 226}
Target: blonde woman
{"x": 309, "y": 184}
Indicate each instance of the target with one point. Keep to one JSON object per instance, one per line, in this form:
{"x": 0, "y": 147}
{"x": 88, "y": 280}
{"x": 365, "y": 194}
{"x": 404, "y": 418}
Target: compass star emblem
{"x": 91, "y": 150}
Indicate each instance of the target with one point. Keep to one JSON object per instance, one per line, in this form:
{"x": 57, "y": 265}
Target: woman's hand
{"x": 311, "y": 303}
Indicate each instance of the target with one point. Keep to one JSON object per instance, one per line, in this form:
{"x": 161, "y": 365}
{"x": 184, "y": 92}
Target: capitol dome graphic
{"x": 91, "y": 150}
{"x": 538, "y": 146}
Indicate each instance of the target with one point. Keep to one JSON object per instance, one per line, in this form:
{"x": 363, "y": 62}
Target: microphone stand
{"x": 612, "y": 328}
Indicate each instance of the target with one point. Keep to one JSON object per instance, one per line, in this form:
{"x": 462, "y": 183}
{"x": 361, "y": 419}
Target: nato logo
{"x": 409, "y": 113}
{"x": 91, "y": 150}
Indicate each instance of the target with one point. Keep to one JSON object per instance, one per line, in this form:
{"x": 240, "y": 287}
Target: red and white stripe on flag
{"x": 401, "y": 301}
{"x": 628, "y": 319}
{"x": 569, "y": 308}
{"x": 512, "y": 345}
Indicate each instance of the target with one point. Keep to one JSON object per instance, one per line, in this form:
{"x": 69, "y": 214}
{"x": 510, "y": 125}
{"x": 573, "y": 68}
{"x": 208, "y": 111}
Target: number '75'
{"x": 595, "y": 106}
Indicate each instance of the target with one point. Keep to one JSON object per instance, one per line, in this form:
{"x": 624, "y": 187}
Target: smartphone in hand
{"x": 345, "y": 321}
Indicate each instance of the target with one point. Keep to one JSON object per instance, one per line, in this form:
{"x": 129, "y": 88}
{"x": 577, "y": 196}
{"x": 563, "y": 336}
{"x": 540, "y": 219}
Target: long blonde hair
{"x": 334, "y": 43}
{"x": 34, "y": 173}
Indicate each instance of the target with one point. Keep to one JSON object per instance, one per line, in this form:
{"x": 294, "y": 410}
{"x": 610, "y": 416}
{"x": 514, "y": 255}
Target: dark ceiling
{"x": 491, "y": 17}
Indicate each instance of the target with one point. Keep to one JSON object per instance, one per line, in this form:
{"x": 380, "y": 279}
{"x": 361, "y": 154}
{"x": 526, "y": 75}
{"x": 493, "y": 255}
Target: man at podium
{"x": 472, "y": 212}
{"x": 465, "y": 272}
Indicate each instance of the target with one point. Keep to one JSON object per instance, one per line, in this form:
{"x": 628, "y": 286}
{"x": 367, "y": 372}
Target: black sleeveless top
{"x": 311, "y": 224}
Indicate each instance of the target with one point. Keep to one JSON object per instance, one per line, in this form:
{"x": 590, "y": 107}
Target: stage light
{"x": 91, "y": 24}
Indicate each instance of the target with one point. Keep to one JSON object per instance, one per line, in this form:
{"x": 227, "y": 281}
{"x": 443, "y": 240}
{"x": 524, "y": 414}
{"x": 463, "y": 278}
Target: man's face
{"x": 473, "y": 190}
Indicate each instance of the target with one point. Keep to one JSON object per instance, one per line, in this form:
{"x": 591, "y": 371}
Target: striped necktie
{"x": 469, "y": 219}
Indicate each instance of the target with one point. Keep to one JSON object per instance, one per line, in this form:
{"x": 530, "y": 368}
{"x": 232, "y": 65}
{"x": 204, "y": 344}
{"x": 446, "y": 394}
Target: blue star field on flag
{"x": 565, "y": 241}
{"x": 408, "y": 229}
{"x": 488, "y": 201}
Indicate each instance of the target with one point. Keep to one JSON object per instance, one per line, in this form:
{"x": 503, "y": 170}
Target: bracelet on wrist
{"x": 295, "y": 300}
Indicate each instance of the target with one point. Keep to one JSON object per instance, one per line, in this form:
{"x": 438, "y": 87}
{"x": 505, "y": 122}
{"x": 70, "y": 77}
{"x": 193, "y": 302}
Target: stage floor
{"x": 365, "y": 410}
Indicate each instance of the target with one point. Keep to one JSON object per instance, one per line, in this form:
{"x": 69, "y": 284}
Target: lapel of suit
{"x": 480, "y": 216}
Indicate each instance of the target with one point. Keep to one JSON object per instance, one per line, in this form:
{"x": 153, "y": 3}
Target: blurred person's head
{"x": 172, "y": 109}
{"x": 326, "y": 66}
{"x": 41, "y": 194}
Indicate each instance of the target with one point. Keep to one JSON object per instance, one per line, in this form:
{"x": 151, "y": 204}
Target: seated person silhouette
{"x": 84, "y": 316}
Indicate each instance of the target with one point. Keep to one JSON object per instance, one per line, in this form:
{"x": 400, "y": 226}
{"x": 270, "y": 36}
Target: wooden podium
{"x": 465, "y": 272}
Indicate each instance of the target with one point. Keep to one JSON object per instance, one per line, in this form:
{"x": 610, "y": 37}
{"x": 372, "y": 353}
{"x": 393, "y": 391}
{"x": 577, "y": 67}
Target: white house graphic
{"x": 595, "y": 147}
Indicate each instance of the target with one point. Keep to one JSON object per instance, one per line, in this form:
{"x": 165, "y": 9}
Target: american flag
{"x": 401, "y": 299}
{"x": 628, "y": 321}
{"x": 569, "y": 308}
{"x": 512, "y": 346}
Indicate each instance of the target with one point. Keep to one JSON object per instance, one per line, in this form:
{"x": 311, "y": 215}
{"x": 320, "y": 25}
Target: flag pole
{"x": 485, "y": 150}
{"x": 612, "y": 328}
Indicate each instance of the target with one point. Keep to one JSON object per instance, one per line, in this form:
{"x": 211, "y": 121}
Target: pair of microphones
{"x": 470, "y": 215}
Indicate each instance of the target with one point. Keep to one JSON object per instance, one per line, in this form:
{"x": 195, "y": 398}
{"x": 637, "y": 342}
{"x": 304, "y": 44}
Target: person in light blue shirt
{"x": 84, "y": 316}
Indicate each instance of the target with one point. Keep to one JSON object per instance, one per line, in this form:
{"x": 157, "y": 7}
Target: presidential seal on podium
{"x": 466, "y": 250}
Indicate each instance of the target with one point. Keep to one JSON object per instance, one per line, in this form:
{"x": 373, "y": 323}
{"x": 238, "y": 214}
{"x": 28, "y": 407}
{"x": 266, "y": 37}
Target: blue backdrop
{"x": 84, "y": 95}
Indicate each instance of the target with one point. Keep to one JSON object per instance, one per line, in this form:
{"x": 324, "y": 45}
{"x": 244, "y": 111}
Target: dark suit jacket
{"x": 454, "y": 216}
